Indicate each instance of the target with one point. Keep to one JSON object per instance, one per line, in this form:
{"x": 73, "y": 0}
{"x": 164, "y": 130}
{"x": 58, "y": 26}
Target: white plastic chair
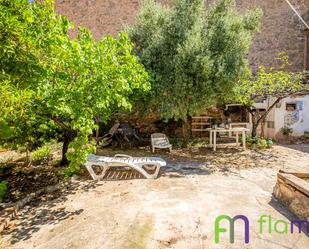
{"x": 160, "y": 141}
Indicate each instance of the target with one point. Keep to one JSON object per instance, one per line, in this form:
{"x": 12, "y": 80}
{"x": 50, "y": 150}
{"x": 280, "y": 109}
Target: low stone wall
{"x": 293, "y": 192}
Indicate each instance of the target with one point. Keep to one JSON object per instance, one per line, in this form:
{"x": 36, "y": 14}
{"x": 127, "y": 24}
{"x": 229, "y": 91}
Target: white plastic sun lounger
{"x": 160, "y": 141}
{"x": 140, "y": 164}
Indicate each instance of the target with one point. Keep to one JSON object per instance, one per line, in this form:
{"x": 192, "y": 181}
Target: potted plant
{"x": 286, "y": 132}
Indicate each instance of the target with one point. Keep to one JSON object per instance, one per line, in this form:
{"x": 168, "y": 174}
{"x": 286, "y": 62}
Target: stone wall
{"x": 292, "y": 191}
{"x": 281, "y": 29}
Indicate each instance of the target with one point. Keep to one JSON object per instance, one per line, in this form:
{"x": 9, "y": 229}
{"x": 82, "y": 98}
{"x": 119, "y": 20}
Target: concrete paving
{"x": 170, "y": 212}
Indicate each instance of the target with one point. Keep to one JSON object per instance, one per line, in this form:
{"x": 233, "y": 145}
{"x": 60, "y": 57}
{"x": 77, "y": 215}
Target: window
{"x": 290, "y": 107}
{"x": 270, "y": 124}
{"x": 259, "y": 111}
{"x": 260, "y": 100}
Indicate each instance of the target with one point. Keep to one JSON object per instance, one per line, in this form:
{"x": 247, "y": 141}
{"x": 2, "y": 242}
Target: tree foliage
{"x": 195, "y": 55}
{"x": 50, "y": 81}
{"x": 277, "y": 83}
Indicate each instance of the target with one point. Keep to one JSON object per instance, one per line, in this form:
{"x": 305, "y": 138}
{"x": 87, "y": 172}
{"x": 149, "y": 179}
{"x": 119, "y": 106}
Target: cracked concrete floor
{"x": 170, "y": 212}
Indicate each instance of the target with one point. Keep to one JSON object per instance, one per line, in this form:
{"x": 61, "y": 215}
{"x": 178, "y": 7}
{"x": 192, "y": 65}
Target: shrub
{"x": 3, "y": 189}
{"x": 286, "y": 130}
{"x": 41, "y": 153}
{"x": 269, "y": 143}
{"x": 258, "y": 142}
{"x": 197, "y": 143}
{"x": 262, "y": 143}
{"x": 177, "y": 142}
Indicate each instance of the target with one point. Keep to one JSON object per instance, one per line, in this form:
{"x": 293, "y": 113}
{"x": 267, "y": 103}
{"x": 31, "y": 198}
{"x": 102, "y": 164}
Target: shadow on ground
{"x": 202, "y": 161}
{"x": 278, "y": 206}
{"x": 45, "y": 210}
{"x": 298, "y": 147}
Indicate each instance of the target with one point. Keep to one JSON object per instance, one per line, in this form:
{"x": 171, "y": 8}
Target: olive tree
{"x": 60, "y": 84}
{"x": 195, "y": 55}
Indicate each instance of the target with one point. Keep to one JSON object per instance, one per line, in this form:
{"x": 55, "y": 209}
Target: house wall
{"x": 281, "y": 29}
{"x": 298, "y": 120}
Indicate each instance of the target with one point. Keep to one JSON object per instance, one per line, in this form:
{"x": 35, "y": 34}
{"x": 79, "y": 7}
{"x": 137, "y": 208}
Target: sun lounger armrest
{"x": 122, "y": 155}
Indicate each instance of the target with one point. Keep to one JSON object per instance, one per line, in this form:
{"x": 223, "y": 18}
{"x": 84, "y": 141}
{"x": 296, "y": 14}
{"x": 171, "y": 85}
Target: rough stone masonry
{"x": 281, "y": 29}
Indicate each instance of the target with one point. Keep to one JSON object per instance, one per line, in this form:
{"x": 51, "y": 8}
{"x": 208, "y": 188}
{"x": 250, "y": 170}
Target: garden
{"x": 64, "y": 98}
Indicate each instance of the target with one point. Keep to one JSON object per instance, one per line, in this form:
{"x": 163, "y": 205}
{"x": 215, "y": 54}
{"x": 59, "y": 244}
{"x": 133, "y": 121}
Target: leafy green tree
{"x": 49, "y": 80}
{"x": 195, "y": 56}
{"x": 25, "y": 39}
{"x": 3, "y": 189}
{"x": 272, "y": 83}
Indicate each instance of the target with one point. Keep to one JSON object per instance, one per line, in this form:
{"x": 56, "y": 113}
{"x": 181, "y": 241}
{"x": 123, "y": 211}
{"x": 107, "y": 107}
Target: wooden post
{"x": 210, "y": 138}
{"x": 237, "y": 135}
{"x": 230, "y": 133}
{"x": 215, "y": 140}
{"x": 244, "y": 140}
{"x": 307, "y": 49}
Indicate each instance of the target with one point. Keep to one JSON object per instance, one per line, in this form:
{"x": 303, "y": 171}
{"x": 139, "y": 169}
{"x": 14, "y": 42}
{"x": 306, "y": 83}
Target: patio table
{"x": 237, "y": 131}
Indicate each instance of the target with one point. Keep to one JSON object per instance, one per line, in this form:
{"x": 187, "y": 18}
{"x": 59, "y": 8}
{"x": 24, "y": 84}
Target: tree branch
{"x": 61, "y": 124}
{"x": 268, "y": 110}
{"x": 248, "y": 108}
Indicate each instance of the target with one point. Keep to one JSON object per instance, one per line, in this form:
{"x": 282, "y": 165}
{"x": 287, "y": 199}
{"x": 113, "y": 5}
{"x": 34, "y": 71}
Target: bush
{"x": 3, "y": 189}
{"x": 177, "y": 142}
{"x": 270, "y": 143}
{"x": 262, "y": 143}
{"x": 258, "y": 142}
{"x": 197, "y": 143}
{"x": 191, "y": 143}
{"x": 286, "y": 131}
{"x": 41, "y": 153}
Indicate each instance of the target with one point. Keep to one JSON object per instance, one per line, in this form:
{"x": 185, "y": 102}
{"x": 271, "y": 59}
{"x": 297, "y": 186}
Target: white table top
{"x": 227, "y": 130}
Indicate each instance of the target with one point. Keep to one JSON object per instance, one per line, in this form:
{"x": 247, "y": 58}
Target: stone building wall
{"x": 281, "y": 29}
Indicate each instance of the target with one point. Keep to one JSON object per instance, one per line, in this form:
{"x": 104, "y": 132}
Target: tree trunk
{"x": 254, "y": 130}
{"x": 185, "y": 129}
{"x": 97, "y": 136}
{"x": 256, "y": 122}
{"x": 263, "y": 128}
{"x": 68, "y": 137}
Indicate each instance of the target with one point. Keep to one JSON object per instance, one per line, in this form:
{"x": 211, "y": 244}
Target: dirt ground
{"x": 177, "y": 210}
